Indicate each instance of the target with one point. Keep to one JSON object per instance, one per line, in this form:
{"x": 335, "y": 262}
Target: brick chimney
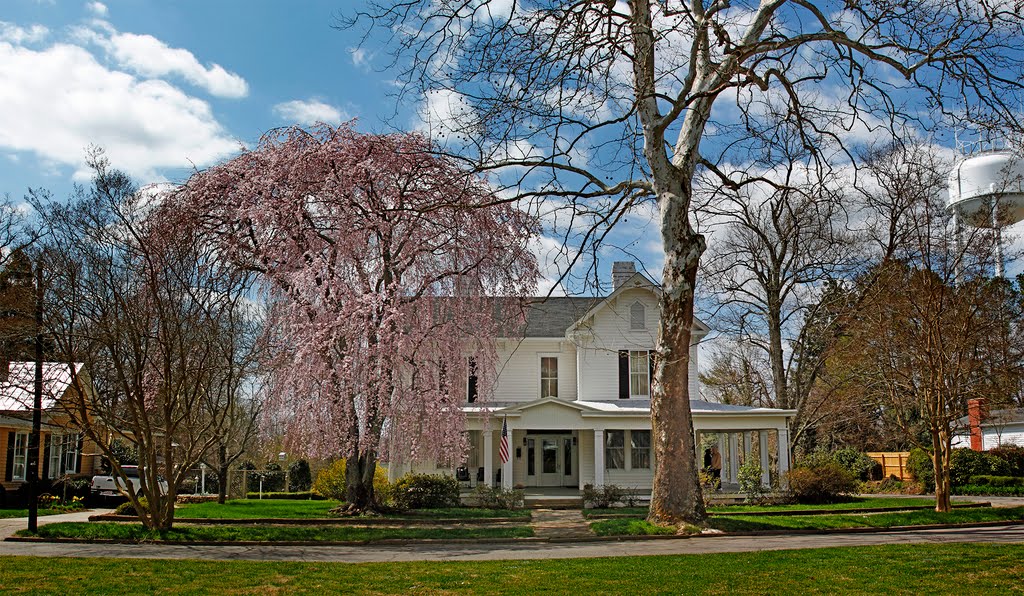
{"x": 977, "y": 411}
{"x": 621, "y": 272}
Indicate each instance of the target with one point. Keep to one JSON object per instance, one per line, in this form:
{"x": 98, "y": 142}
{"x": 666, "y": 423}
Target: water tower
{"x": 986, "y": 190}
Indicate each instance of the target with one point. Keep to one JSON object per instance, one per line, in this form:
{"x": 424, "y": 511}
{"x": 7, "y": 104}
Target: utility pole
{"x": 37, "y": 410}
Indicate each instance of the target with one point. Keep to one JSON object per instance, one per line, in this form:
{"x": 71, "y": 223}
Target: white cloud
{"x": 58, "y": 101}
{"x": 360, "y": 57}
{"x": 97, "y": 8}
{"x": 309, "y": 112}
{"x": 12, "y": 33}
{"x": 150, "y": 57}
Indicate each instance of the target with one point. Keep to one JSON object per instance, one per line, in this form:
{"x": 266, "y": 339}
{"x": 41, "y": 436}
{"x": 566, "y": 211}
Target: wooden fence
{"x": 894, "y": 463}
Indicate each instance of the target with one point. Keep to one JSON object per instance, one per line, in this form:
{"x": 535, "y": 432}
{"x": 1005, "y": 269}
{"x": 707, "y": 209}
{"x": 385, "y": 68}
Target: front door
{"x": 551, "y": 460}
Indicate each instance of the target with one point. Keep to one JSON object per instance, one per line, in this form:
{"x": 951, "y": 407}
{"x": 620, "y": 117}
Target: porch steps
{"x": 546, "y": 502}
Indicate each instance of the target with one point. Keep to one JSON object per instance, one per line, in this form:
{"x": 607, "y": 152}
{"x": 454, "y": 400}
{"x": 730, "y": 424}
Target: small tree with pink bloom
{"x": 388, "y": 270}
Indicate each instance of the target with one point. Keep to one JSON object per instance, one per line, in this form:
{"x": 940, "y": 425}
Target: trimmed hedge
{"x": 1012, "y": 455}
{"x": 965, "y": 464}
{"x": 986, "y": 480}
{"x": 823, "y": 483}
{"x": 989, "y": 491}
{"x": 304, "y": 496}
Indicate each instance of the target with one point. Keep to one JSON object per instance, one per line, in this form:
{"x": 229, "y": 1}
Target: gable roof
{"x": 551, "y": 317}
{"x": 17, "y": 391}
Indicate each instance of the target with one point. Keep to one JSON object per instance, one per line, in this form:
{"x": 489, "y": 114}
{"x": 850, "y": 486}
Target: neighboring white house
{"x": 989, "y": 429}
{"x": 575, "y": 393}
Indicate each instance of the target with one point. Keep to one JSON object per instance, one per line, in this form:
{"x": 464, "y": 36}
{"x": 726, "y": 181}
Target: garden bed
{"x": 854, "y": 504}
{"x": 92, "y": 531}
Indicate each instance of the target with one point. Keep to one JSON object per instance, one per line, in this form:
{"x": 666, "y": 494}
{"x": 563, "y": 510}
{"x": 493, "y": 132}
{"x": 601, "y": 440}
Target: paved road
{"x": 479, "y": 552}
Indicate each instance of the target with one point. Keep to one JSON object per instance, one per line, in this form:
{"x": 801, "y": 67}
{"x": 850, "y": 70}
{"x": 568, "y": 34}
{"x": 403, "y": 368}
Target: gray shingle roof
{"x": 550, "y": 317}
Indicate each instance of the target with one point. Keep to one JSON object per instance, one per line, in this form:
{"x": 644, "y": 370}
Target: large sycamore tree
{"x": 390, "y": 273}
{"x": 604, "y": 106}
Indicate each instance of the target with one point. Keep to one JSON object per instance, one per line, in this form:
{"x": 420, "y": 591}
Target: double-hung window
{"x": 640, "y": 449}
{"x": 639, "y": 373}
{"x": 614, "y": 449}
{"x": 549, "y": 376}
{"x": 63, "y": 455}
{"x": 19, "y": 460}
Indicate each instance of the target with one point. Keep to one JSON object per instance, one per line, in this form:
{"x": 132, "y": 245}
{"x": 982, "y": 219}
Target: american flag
{"x": 503, "y": 448}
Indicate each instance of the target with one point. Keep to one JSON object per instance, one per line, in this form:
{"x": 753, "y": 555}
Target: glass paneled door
{"x": 551, "y": 460}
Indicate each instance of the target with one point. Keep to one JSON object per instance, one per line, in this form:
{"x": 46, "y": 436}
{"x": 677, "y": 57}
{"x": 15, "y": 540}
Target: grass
{"x": 12, "y": 513}
{"x": 852, "y": 503}
{"x": 298, "y": 509}
{"x": 256, "y": 508}
{"x": 739, "y": 523}
{"x": 911, "y": 569}
{"x": 136, "y": 532}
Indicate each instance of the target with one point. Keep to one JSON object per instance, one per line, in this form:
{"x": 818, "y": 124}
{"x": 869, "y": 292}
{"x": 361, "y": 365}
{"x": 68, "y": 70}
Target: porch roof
{"x": 625, "y": 408}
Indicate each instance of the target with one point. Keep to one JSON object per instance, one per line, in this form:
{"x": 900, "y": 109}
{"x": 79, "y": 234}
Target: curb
{"x": 531, "y": 540}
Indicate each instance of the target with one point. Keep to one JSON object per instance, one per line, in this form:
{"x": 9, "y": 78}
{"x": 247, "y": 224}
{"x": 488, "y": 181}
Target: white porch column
{"x": 734, "y": 457}
{"x": 506, "y": 468}
{"x": 766, "y": 477}
{"x": 488, "y": 457}
{"x": 783, "y": 457}
{"x": 598, "y": 457}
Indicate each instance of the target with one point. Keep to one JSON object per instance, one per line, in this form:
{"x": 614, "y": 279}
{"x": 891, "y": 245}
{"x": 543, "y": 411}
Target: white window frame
{"x": 63, "y": 448}
{"x": 637, "y": 316}
{"x": 542, "y": 378}
{"x": 633, "y": 450}
{"x": 20, "y": 460}
{"x": 640, "y": 380}
{"x": 608, "y": 460}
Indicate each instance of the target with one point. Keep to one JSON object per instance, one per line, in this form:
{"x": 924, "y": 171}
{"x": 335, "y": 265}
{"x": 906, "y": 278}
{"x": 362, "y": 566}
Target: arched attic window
{"x": 637, "y": 316}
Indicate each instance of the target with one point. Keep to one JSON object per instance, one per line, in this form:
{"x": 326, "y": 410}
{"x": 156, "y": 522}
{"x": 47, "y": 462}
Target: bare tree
{"x": 140, "y": 303}
{"x": 605, "y": 106}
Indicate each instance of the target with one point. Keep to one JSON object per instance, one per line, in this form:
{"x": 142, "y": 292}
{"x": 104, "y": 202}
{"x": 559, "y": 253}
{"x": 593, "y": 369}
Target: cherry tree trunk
{"x": 359, "y": 471}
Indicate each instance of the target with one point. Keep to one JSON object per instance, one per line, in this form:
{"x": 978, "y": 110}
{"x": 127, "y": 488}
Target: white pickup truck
{"x": 111, "y": 486}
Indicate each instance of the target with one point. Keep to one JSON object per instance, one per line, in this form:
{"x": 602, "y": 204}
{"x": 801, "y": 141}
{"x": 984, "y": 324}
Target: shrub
{"x": 498, "y": 498}
{"x": 988, "y": 480}
{"x": 823, "y": 483}
{"x": 299, "y": 476}
{"x": 855, "y": 462}
{"x": 1012, "y": 455}
{"x": 425, "y": 491}
{"x": 602, "y": 497}
{"x": 330, "y": 483}
{"x": 919, "y": 465}
{"x": 988, "y": 490}
{"x": 749, "y": 476}
{"x": 127, "y": 508}
{"x": 966, "y": 463}
{"x": 709, "y": 484}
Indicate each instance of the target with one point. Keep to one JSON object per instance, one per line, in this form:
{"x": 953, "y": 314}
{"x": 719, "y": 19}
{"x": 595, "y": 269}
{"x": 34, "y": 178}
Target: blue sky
{"x": 164, "y": 87}
{"x": 187, "y": 80}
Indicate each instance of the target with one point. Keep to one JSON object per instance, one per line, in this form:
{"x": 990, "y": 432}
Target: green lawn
{"x": 853, "y": 503}
{"x": 910, "y": 569}
{"x": 740, "y": 523}
{"x": 256, "y": 508}
{"x": 99, "y": 530}
{"x": 298, "y": 509}
{"x": 11, "y": 513}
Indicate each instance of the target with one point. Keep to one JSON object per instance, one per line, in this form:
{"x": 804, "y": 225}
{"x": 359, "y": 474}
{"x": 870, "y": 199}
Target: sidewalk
{"x": 11, "y": 525}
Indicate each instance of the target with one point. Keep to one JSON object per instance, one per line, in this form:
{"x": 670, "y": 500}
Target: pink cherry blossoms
{"x": 387, "y": 270}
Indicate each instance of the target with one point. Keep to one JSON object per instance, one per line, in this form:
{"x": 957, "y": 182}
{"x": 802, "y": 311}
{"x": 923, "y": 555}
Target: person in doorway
{"x": 716, "y": 463}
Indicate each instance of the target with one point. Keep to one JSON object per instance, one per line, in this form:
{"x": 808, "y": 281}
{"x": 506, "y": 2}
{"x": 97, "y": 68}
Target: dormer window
{"x": 637, "y": 316}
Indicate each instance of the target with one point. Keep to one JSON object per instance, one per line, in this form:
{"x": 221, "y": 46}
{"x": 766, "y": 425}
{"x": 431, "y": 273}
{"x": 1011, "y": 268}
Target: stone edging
{"x": 400, "y": 542}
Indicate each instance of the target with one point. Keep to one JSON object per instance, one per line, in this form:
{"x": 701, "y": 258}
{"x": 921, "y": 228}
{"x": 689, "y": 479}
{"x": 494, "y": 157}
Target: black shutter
{"x": 9, "y": 469}
{"x": 81, "y": 455}
{"x": 623, "y": 374}
{"x": 471, "y": 383}
{"x": 47, "y": 443}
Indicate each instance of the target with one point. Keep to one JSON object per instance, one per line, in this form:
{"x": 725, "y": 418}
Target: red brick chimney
{"x": 977, "y": 411}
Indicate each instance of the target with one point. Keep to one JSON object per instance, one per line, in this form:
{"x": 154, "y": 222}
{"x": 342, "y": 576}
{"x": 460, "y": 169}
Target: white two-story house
{"x": 575, "y": 391}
